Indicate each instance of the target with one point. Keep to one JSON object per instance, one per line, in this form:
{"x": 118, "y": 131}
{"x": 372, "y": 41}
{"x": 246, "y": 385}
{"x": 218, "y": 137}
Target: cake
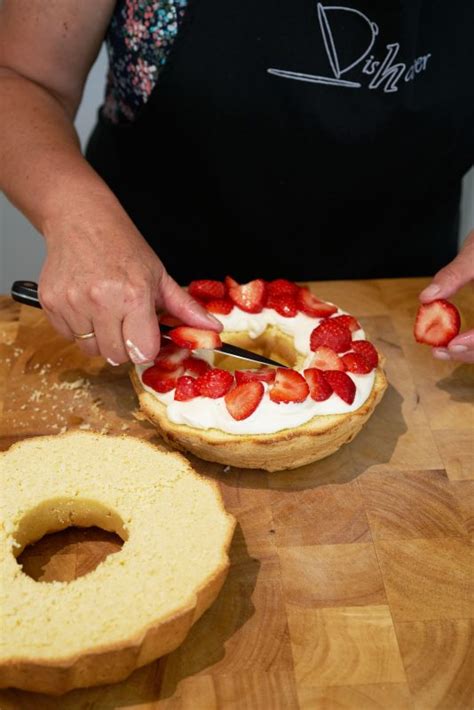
{"x": 271, "y": 419}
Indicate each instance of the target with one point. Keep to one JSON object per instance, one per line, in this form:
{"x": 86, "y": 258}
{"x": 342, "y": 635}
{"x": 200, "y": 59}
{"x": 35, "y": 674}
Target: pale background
{"x": 21, "y": 248}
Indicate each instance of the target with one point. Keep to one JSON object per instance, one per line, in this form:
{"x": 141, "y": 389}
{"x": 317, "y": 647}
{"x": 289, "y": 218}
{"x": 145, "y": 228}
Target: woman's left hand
{"x": 446, "y": 283}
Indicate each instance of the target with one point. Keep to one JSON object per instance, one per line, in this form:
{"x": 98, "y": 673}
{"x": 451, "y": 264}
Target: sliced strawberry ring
{"x": 161, "y": 380}
{"x": 264, "y": 374}
{"x": 206, "y": 289}
{"x": 312, "y": 306}
{"x": 284, "y": 304}
{"x": 437, "y": 323}
{"x": 289, "y": 386}
{"x": 171, "y": 356}
{"x": 195, "y": 338}
{"x": 243, "y": 400}
{"x": 222, "y": 306}
{"x": 319, "y": 387}
{"x": 341, "y": 384}
{"x": 356, "y": 363}
{"x": 186, "y": 389}
{"x": 195, "y": 365}
{"x": 333, "y": 335}
{"x": 367, "y": 350}
{"x": 214, "y": 383}
{"x": 349, "y": 321}
{"x": 249, "y": 297}
{"x": 325, "y": 358}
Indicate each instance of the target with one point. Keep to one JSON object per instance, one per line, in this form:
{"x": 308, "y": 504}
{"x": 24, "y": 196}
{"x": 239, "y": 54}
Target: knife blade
{"x": 27, "y": 292}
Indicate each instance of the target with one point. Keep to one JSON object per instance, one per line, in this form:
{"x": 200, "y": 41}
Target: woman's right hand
{"x": 100, "y": 275}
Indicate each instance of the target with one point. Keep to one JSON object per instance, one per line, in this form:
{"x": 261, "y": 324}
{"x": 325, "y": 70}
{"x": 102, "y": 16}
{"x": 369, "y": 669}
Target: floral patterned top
{"x": 139, "y": 39}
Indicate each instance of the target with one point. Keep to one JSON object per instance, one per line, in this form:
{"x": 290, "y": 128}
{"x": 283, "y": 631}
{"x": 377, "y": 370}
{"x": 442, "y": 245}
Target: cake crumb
{"x": 226, "y": 469}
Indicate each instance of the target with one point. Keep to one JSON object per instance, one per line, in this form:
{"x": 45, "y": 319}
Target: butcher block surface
{"x": 351, "y": 579}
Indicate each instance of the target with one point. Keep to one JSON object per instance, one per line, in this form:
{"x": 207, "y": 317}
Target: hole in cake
{"x": 272, "y": 344}
{"x": 63, "y": 539}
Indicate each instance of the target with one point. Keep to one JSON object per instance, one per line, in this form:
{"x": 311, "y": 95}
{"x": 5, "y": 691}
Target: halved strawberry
{"x": 161, "y": 380}
{"x": 229, "y": 283}
{"x": 312, "y": 306}
{"x": 194, "y": 338}
{"x": 319, "y": 387}
{"x": 168, "y": 319}
{"x": 219, "y": 305}
{"x": 349, "y": 321}
{"x": 248, "y": 297}
{"x": 284, "y": 305}
{"x": 282, "y": 287}
{"x": 342, "y": 385}
{"x": 356, "y": 363}
{"x": 289, "y": 386}
{"x": 214, "y": 383}
{"x": 206, "y": 290}
{"x": 170, "y": 356}
{"x": 363, "y": 347}
{"x": 186, "y": 389}
{"x": 195, "y": 365}
{"x": 264, "y": 374}
{"x": 437, "y": 323}
{"x": 325, "y": 358}
{"x": 335, "y": 336}
{"x": 243, "y": 400}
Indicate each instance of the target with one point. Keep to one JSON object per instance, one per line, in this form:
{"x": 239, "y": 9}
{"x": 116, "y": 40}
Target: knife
{"x": 27, "y": 292}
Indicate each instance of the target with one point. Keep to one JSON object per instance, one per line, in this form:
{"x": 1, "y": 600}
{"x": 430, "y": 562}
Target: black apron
{"x": 301, "y": 140}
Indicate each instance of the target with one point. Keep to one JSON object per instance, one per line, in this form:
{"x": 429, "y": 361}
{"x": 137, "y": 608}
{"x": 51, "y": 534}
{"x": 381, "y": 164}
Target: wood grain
{"x": 351, "y": 580}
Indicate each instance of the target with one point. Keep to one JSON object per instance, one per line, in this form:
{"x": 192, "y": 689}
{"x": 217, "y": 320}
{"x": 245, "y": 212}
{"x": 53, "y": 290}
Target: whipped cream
{"x": 269, "y": 417}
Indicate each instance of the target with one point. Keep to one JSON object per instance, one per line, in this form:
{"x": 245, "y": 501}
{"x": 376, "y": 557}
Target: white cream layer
{"x": 269, "y": 417}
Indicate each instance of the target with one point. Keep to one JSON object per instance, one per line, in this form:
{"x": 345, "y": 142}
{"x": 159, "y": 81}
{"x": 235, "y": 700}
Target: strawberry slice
{"x": 248, "y": 297}
{"x": 335, "y": 336}
{"x": 437, "y": 323}
{"x": 281, "y": 287}
{"x": 219, "y": 305}
{"x": 170, "y": 356}
{"x": 289, "y": 386}
{"x": 264, "y": 374}
{"x": 229, "y": 283}
{"x": 356, "y": 363}
{"x": 342, "y": 385}
{"x": 168, "y": 319}
{"x": 161, "y": 380}
{"x": 243, "y": 400}
{"x": 206, "y": 290}
{"x": 185, "y": 389}
{"x": 325, "y": 358}
{"x": 195, "y": 365}
{"x": 319, "y": 387}
{"x": 194, "y": 338}
{"x": 214, "y": 383}
{"x": 312, "y": 306}
{"x": 349, "y": 321}
{"x": 284, "y": 305}
{"x": 367, "y": 350}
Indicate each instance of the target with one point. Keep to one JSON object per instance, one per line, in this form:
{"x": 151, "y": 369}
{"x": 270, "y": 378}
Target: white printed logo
{"x": 386, "y": 73}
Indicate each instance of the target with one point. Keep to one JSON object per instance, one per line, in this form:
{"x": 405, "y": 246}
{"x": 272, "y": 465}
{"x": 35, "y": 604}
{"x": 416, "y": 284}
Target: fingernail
{"x": 431, "y": 292}
{"x": 441, "y": 354}
{"x": 197, "y": 309}
{"x": 458, "y": 348}
{"x": 136, "y": 354}
{"x": 111, "y": 362}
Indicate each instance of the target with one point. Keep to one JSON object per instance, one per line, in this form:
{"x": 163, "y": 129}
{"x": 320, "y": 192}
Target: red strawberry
{"x": 161, "y": 380}
{"x": 341, "y": 384}
{"x": 193, "y": 338}
{"x": 265, "y": 374}
{"x": 185, "y": 389}
{"x": 335, "y": 336}
{"x": 356, "y": 363}
{"x": 170, "y": 320}
{"x": 319, "y": 387}
{"x": 284, "y": 305}
{"x": 195, "y": 365}
{"x": 326, "y": 359}
{"x": 219, "y": 305}
{"x": 281, "y": 287}
{"x": 206, "y": 290}
{"x": 170, "y": 356}
{"x": 243, "y": 400}
{"x": 312, "y": 306}
{"x": 437, "y": 323}
{"x": 367, "y": 350}
{"x": 249, "y": 297}
{"x": 349, "y": 321}
{"x": 229, "y": 283}
{"x": 214, "y": 383}
{"x": 289, "y": 386}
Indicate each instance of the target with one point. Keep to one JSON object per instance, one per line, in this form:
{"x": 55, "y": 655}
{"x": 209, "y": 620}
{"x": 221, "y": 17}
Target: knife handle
{"x": 26, "y": 292}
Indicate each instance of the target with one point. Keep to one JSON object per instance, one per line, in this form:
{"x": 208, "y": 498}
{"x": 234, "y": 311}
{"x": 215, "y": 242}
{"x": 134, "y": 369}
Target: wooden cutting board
{"x": 351, "y": 581}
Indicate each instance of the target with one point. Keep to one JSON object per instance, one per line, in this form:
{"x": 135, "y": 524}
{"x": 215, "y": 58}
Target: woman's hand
{"x": 100, "y": 275}
{"x": 446, "y": 283}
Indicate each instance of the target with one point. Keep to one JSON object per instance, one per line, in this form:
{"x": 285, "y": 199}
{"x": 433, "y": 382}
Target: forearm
{"x": 42, "y": 170}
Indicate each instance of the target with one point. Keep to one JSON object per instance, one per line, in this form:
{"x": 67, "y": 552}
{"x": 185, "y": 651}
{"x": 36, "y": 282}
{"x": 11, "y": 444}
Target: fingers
{"x": 460, "y": 349}
{"x": 109, "y": 338}
{"x": 179, "y": 303}
{"x": 79, "y": 325}
{"x": 453, "y": 276}
{"x": 141, "y": 333}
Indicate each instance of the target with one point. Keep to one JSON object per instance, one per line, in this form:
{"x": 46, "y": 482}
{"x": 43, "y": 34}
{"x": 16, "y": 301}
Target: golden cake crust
{"x": 60, "y": 672}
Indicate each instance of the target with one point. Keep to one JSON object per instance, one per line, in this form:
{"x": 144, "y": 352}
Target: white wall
{"x": 21, "y": 248}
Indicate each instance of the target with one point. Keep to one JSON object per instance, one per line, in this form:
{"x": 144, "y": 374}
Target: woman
{"x": 260, "y": 139}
